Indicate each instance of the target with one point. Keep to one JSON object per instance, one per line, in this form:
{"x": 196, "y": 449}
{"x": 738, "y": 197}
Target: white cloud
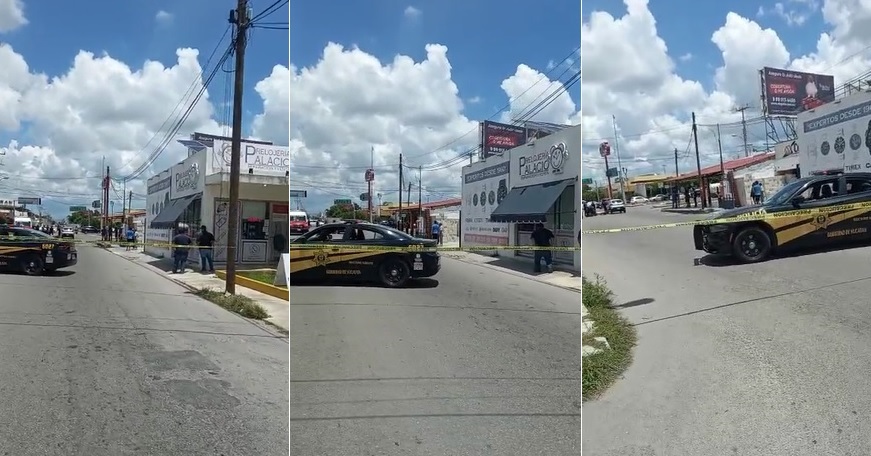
{"x": 686, "y": 57}
{"x": 349, "y": 102}
{"x": 652, "y": 103}
{"x": 163, "y": 17}
{"x": 412, "y": 12}
{"x": 101, "y": 107}
{"x": 474, "y": 100}
{"x": 11, "y": 15}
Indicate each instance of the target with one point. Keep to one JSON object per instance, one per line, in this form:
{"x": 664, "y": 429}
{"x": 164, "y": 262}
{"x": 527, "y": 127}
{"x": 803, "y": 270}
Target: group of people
{"x": 182, "y": 244}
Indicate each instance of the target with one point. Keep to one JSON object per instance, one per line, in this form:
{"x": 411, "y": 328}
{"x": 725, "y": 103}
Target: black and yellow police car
{"x": 813, "y": 211}
{"x": 34, "y": 252}
{"x": 350, "y": 251}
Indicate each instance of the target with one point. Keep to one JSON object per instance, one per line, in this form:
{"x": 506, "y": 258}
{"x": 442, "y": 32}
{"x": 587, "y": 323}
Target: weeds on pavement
{"x": 602, "y": 369}
{"x": 239, "y": 304}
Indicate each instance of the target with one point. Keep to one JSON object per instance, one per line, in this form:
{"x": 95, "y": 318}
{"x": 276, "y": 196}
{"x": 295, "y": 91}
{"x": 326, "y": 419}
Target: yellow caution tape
{"x": 757, "y": 215}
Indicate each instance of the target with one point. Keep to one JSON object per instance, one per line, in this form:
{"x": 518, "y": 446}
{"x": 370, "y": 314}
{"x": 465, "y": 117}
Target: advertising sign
{"x": 485, "y": 185}
{"x": 604, "y": 149}
{"x": 157, "y": 197}
{"x": 260, "y": 159}
{"x": 23, "y": 200}
{"x": 297, "y": 193}
{"x": 369, "y": 175}
{"x": 786, "y": 156}
{"x": 787, "y": 93}
{"x": 836, "y": 136}
{"x": 188, "y": 177}
{"x": 497, "y": 138}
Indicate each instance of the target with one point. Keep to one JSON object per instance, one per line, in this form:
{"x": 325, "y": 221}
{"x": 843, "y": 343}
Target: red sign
{"x": 604, "y": 149}
{"x": 280, "y": 208}
{"x": 370, "y": 175}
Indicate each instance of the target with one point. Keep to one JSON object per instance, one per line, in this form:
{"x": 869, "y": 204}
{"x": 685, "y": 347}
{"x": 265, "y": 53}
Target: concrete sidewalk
{"x": 559, "y": 278}
{"x": 194, "y": 280}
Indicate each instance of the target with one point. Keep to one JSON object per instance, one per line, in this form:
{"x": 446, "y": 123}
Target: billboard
{"x": 26, "y": 200}
{"x": 485, "y": 185}
{"x": 836, "y": 135}
{"x": 786, "y": 156}
{"x": 787, "y": 93}
{"x": 498, "y": 138}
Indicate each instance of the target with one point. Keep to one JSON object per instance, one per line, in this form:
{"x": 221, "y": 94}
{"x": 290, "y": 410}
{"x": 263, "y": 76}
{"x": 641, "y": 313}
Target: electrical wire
{"x": 269, "y": 10}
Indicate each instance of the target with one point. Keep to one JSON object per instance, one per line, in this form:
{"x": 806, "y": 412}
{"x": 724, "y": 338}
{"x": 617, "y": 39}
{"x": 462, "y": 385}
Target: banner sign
{"x": 486, "y": 173}
{"x": 160, "y": 185}
{"x": 787, "y": 93}
{"x": 497, "y": 138}
{"x": 297, "y": 194}
{"x": 26, "y": 200}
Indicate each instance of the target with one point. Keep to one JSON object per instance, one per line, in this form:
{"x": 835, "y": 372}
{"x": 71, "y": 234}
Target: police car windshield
{"x": 32, "y": 233}
{"x": 784, "y": 194}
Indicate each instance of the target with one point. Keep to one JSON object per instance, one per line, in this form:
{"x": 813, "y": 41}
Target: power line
{"x": 271, "y": 9}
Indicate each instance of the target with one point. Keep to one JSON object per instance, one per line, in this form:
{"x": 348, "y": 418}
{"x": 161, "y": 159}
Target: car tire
{"x": 33, "y": 265}
{"x": 394, "y": 272}
{"x": 752, "y": 245}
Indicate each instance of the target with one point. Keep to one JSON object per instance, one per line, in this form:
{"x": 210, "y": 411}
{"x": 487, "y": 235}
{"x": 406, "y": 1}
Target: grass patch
{"x": 265, "y": 276}
{"x": 602, "y": 369}
{"x": 239, "y": 304}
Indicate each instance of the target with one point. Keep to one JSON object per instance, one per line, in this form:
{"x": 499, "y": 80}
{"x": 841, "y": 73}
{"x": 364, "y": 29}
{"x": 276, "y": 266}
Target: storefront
{"x": 544, "y": 177}
{"x": 199, "y": 196}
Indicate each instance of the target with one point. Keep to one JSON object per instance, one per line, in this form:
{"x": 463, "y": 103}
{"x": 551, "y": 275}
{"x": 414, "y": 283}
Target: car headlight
{"x": 718, "y": 228}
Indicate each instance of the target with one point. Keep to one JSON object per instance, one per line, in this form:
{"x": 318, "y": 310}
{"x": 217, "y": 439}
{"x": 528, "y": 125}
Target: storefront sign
{"x": 160, "y": 185}
{"x": 485, "y": 185}
{"x": 262, "y": 159}
{"x": 280, "y": 208}
{"x": 188, "y": 179}
{"x": 544, "y": 162}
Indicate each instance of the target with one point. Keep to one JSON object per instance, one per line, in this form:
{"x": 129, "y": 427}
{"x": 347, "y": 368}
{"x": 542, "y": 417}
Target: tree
{"x": 84, "y": 218}
{"x": 346, "y": 211}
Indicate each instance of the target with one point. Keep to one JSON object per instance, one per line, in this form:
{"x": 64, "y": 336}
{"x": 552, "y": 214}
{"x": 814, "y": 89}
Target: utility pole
{"x": 369, "y": 181}
{"x": 399, "y": 213}
{"x": 699, "y": 164}
{"x": 420, "y": 196}
{"x": 106, "y": 185}
{"x": 129, "y": 206}
{"x": 741, "y": 109}
{"x": 124, "y": 204}
{"x": 619, "y": 165}
{"x": 408, "y": 198}
{"x": 471, "y": 154}
{"x": 239, "y": 18}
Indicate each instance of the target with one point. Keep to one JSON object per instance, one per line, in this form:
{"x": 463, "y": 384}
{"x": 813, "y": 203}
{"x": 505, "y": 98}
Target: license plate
{"x": 49, "y": 259}
{"x": 418, "y": 266}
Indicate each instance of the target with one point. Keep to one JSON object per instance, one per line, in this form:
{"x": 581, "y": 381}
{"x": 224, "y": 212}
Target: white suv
{"x": 616, "y": 205}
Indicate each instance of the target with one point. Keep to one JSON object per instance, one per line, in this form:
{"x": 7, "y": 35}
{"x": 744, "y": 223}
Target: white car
{"x": 67, "y": 233}
{"x": 616, "y": 205}
{"x": 638, "y": 200}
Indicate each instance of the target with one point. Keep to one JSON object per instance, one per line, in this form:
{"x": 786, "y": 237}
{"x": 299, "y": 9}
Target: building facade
{"x": 195, "y": 192}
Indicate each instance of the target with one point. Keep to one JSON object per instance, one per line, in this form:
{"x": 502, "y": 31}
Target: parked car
{"x": 638, "y": 200}
{"x": 67, "y": 233}
{"x": 659, "y": 197}
{"x": 616, "y": 205}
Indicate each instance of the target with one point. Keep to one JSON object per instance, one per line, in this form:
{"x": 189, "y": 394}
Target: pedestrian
{"x": 131, "y": 238}
{"x": 435, "y": 230}
{"x": 542, "y": 238}
{"x": 686, "y": 195}
{"x": 181, "y": 246}
{"x": 696, "y": 193}
{"x": 205, "y": 242}
{"x": 756, "y": 192}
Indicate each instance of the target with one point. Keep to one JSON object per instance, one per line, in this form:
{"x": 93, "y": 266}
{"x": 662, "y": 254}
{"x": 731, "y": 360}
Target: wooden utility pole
{"x": 699, "y": 164}
{"x": 741, "y": 109}
{"x": 399, "y": 212}
{"x": 420, "y": 197}
{"x": 240, "y": 19}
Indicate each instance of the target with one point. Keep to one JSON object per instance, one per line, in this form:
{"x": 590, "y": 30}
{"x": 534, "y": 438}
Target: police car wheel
{"x": 33, "y": 265}
{"x": 751, "y": 245}
{"x": 394, "y": 272}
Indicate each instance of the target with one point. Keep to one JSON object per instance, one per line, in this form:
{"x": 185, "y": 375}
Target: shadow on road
{"x": 634, "y": 303}
{"x": 718, "y": 261}
{"x": 412, "y": 284}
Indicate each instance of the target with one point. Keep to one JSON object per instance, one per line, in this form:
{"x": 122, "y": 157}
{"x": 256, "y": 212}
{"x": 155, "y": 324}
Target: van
{"x": 298, "y": 222}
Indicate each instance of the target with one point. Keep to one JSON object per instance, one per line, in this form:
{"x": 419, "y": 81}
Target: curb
{"x": 514, "y": 273}
{"x": 262, "y": 287}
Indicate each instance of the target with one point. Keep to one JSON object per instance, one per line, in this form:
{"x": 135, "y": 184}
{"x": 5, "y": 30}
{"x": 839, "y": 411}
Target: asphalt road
{"x": 109, "y": 358}
{"x": 484, "y": 363}
{"x": 764, "y": 359}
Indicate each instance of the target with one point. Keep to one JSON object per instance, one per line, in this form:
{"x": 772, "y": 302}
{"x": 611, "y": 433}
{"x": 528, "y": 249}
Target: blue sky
{"x": 486, "y": 40}
{"x": 129, "y": 31}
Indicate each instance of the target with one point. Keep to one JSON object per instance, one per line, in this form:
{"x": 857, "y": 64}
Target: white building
{"x": 196, "y": 191}
{"x": 504, "y": 197}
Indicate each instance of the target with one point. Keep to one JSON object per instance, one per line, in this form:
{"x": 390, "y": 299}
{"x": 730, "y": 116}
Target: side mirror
{"x": 796, "y": 201}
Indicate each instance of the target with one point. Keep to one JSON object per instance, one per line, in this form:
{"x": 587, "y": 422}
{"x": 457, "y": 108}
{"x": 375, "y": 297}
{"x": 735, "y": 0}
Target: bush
{"x": 602, "y": 369}
{"x": 239, "y": 304}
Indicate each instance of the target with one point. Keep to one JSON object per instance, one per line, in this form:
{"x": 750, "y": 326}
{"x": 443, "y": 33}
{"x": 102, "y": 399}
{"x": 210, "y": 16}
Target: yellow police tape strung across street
{"x": 319, "y": 246}
{"x": 760, "y": 214}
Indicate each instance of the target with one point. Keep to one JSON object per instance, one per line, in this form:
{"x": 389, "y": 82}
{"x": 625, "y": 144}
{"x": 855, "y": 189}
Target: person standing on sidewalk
{"x": 131, "y": 238}
{"x": 542, "y": 237}
{"x": 205, "y": 241}
{"x": 181, "y": 246}
{"x": 435, "y": 229}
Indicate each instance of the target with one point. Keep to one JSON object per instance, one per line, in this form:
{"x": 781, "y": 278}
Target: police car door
{"x": 809, "y": 230}
{"x": 309, "y": 260}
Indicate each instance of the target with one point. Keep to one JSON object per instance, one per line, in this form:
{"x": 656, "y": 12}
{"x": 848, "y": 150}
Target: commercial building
{"x": 536, "y": 182}
{"x": 195, "y": 192}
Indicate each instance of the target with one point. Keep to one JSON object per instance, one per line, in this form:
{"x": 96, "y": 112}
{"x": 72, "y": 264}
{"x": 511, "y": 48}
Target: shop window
{"x": 563, "y": 214}
{"x": 254, "y": 209}
{"x": 192, "y": 217}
